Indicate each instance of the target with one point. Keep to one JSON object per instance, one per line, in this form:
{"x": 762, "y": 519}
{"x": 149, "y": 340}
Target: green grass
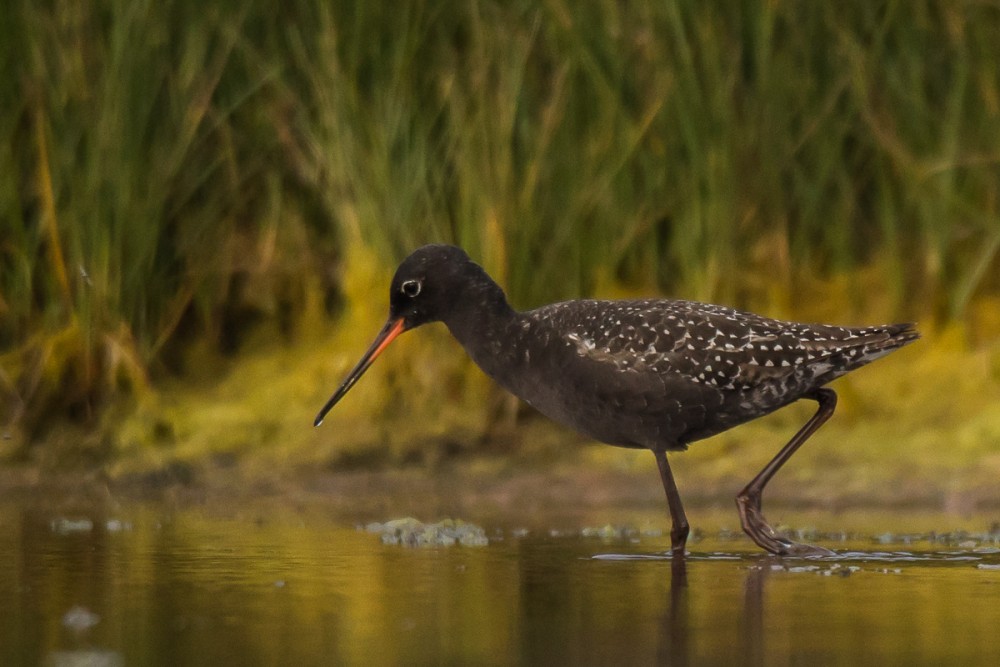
{"x": 181, "y": 185}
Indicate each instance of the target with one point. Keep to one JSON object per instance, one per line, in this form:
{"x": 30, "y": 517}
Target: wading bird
{"x": 657, "y": 374}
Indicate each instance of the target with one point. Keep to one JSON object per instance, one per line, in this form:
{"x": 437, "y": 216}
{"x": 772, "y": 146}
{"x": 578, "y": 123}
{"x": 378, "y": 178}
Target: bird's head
{"x": 426, "y": 287}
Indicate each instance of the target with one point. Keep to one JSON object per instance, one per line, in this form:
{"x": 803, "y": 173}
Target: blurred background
{"x": 201, "y": 207}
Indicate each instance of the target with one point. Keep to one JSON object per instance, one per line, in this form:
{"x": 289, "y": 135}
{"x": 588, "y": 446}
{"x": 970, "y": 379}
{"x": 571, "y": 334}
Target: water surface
{"x": 147, "y": 583}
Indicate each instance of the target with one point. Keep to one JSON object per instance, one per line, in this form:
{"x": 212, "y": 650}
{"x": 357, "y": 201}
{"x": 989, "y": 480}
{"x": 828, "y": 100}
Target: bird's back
{"x": 662, "y": 373}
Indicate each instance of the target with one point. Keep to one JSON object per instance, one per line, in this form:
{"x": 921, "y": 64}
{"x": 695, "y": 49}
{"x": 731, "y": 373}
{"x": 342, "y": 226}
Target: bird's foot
{"x": 678, "y": 540}
{"x": 761, "y": 532}
{"x": 802, "y": 549}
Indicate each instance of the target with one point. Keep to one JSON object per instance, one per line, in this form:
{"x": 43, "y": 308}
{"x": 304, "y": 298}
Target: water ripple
{"x": 815, "y": 563}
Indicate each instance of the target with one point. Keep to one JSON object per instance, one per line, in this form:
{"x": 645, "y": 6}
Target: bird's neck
{"x": 480, "y": 320}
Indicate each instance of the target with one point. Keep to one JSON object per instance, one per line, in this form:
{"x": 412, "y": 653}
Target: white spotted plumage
{"x": 752, "y": 364}
{"x": 682, "y": 337}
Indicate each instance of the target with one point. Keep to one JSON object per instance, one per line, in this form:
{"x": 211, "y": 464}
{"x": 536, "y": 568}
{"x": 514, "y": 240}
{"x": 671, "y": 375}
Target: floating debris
{"x": 117, "y": 526}
{"x": 623, "y": 532}
{"x": 803, "y": 568}
{"x": 413, "y": 533}
{"x": 609, "y": 532}
{"x": 80, "y": 619}
{"x": 64, "y": 526}
{"x": 85, "y": 657}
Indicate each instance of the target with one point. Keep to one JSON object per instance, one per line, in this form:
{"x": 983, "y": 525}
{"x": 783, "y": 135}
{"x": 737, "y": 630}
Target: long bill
{"x": 392, "y": 328}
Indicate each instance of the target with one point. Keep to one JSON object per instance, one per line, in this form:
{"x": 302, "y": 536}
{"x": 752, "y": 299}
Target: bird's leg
{"x": 680, "y": 529}
{"x": 748, "y": 500}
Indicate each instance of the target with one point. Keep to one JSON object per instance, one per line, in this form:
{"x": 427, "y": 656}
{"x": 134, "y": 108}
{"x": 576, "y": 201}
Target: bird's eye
{"x": 410, "y": 288}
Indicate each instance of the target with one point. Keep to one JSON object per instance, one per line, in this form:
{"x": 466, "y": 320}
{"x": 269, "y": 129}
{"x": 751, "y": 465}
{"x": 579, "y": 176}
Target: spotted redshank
{"x": 657, "y": 374}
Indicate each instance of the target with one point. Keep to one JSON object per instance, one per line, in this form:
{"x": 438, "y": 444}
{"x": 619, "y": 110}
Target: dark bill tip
{"x": 389, "y": 332}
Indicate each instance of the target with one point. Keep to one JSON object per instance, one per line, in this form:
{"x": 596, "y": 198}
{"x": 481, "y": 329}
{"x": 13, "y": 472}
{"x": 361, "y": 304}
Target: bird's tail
{"x": 892, "y": 336}
{"x": 871, "y": 343}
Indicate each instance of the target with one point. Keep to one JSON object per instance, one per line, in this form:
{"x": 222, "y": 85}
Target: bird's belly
{"x": 628, "y": 419}
{"x": 595, "y": 421}
{"x": 622, "y": 420}
{"x": 633, "y": 411}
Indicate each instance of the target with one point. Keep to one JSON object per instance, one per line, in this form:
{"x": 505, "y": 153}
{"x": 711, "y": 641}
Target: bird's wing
{"x": 711, "y": 345}
{"x": 619, "y": 356}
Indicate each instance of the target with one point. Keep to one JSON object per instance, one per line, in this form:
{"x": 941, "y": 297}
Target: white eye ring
{"x": 410, "y": 288}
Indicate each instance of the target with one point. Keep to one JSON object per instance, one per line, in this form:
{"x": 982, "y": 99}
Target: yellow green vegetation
{"x": 919, "y": 427}
{"x": 199, "y": 212}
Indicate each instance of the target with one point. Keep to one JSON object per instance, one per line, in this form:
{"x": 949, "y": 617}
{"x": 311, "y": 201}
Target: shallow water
{"x": 152, "y": 584}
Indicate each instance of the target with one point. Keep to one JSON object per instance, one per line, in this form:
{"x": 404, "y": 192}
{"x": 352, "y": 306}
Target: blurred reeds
{"x": 176, "y": 178}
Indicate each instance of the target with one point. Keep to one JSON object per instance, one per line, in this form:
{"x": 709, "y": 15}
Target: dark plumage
{"x": 655, "y": 373}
